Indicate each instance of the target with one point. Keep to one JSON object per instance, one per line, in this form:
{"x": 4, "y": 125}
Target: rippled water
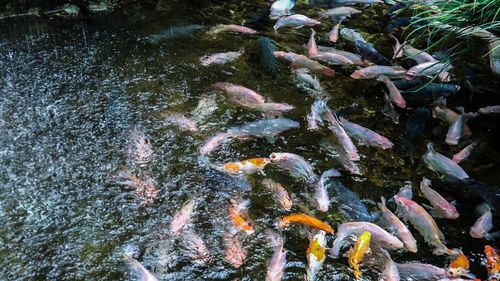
{"x": 71, "y": 90}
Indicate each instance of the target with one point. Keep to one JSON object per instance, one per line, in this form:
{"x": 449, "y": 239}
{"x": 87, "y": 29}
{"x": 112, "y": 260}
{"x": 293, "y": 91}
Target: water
{"x": 71, "y": 90}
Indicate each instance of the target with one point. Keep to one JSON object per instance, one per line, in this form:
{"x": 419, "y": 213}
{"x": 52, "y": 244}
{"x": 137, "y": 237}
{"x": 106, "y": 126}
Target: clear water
{"x": 70, "y": 91}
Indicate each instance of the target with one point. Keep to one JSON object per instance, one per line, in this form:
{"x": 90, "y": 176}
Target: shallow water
{"x": 71, "y": 90}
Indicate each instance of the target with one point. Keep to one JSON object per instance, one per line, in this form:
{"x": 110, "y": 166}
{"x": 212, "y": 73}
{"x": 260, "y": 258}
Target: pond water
{"x": 71, "y": 90}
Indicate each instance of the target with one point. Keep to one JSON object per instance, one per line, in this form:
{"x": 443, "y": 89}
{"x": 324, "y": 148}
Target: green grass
{"x": 453, "y": 24}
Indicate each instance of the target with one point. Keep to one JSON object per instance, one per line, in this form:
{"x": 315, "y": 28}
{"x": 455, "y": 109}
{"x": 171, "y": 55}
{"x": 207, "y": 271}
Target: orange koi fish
{"x": 306, "y": 220}
{"x": 460, "y": 266}
{"x": 492, "y": 263}
{"x": 239, "y": 221}
{"x": 246, "y": 167}
{"x": 358, "y": 252}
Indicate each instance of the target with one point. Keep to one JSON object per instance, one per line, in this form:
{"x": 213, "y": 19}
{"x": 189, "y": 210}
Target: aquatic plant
{"x": 458, "y": 21}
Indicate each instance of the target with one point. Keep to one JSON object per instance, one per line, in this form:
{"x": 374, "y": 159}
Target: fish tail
{"x": 441, "y": 249}
{"x": 492, "y": 236}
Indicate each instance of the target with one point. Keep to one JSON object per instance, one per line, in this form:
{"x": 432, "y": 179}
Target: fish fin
{"x": 298, "y": 27}
{"x": 492, "y": 236}
{"x": 482, "y": 208}
{"x": 454, "y": 202}
{"x": 441, "y": 250}
{"x": 427, "y": 206}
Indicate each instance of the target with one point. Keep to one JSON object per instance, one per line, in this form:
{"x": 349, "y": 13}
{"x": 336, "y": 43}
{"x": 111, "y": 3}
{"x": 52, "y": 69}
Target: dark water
{"x": 71, "y": 90}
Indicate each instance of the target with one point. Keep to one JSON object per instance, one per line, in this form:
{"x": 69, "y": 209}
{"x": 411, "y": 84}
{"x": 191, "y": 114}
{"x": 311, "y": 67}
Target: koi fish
{"x": 449, "y": 116}
{"x": 394, "y": 93}
{"x": 456, "y": 129}
{"x": 141, "y": 273}
{"x": 492, "y": 263}
{"x": 230, "y": 28}
{"x": 494, "y": 109}
{"x": 321, "y": 193}
{"x": 398, "y": 51}
{"x": 391, "y": 272}
{"x": 464, "y": 153}
{"x": 365, "y": 135}
{"x": 406, "y": 191}
{"x": 333, "y": 59}
{"x": 339, "y": 13}
{"x": 235, "y": 253}
{"x": 442, "y": 164}
{"x": 351, "y": 35}
{"x": 277, "y": 263}
{"x": 396, "y": 226}
{"x": 353, "y": 57}
{"x": 423, "y": 222}
{"x": 220, "y": 58}
{"x": 315, "y": 255}
{"x": 281, "y": 8}
{"x": 333, "y": 35}
{"x": 428, "y": 69}
{"x": 334, "y": 125}
{"x": 247, "y": 167}
{"x": 146, "y": 189}
{"x": 312, "y": 48}
{"x": 373, "y": 71}
{"x": 357, "y": 253}
{"x": 300, "y": 61}
{"x": 441, "y": 208}
{"x": 239, "y": 94}
{"x": 460, "y": 266}
{"x": 295, "y": 21}
{"x": 195, "y": 248}
{"x": 484, "y": 224}
{"x": 306, "y": 220}
{"x": 421, "y": 271}
{"x": 181, "y": 121}
{"x": 295, "y": 164}
{"x": 140, "y": 150}
{"x": 378, "y": 236}
{"x": 182, "y": 217}
{"x": 238, "y": 220}
{"x": 279, "y": 193}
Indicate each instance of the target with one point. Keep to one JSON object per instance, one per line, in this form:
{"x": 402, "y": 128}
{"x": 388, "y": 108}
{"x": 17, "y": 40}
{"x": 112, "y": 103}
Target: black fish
{"x": 398, "y": 22}
{"x": 172, "y": 33}
{"x": 489, "y": 194}
{"x": 266, "y": 54}
{"x": 349, "y": 203}
{"x": 370, "y": 53}
{"x": 259, "y": 17}
{"x": 427, "y": 93}
{"x": 408, "y": 84}
{"x": 417, "y": 121}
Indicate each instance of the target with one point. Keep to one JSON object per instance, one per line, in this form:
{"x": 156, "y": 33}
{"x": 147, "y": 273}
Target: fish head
{"x": 276, "y": 157}
{"x": 279, "y": 54}
{"x": 358, "y": 74}
{"x": 328, "y": 72}
{"x": 459, "y": 266}
{"x": 402, "y": 202}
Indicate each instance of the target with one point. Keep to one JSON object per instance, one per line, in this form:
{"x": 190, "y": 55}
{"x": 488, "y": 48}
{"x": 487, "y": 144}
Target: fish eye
{"x": 273, "y": 155}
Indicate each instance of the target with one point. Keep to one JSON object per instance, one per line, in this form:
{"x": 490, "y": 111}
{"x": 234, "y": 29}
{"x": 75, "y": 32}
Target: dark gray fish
{"x": 171, "y": 33}
{"x": 370, "y": 53}
{"x": 347, "y": 201}
{"x": 488, "y": 193}
{"x": 424, "y": 94}
{"x": 416, "y": 82}
{"x": 266, "y": 56}
{"x": 398, "y": 22}
{"x": 416, "y": 123}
